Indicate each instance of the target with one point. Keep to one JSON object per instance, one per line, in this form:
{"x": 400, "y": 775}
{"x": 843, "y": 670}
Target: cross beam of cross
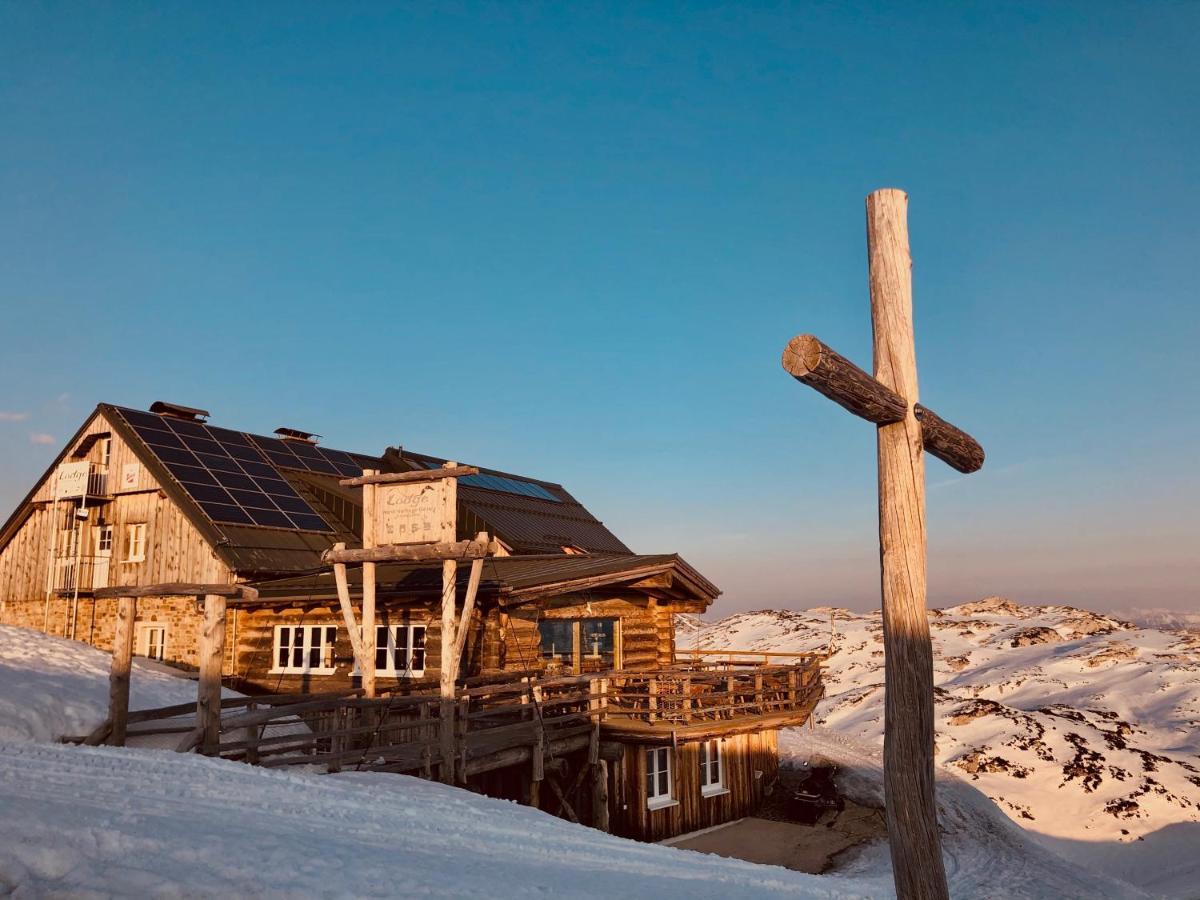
{"x": 905, "y": 431}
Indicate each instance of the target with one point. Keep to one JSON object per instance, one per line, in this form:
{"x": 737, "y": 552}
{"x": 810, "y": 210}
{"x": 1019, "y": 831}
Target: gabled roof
{"x": 516, "y": 579}
{"x": 270, "y": 506}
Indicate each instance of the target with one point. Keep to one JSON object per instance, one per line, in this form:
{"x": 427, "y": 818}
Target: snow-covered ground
{"x": 1083, "y": 729}
{"x": 99, "y": 821}
{"x": 50, "y": 687}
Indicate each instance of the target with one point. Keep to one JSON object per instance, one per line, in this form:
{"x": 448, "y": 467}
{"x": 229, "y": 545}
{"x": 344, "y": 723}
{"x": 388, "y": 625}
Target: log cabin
{"x": 569, "y": 656}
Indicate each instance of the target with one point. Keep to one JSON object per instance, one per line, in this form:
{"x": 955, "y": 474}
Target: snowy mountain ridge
{"x": 1083, "y": 728}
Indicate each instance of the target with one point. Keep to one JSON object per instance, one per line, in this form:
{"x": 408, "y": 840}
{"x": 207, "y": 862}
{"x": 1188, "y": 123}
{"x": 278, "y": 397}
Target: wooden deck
{"x": 497, "y": 722}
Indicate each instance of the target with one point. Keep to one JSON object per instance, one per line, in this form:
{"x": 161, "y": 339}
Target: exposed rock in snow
{"x": 1039, "y": 634}
{"x": 1089, "y": 741}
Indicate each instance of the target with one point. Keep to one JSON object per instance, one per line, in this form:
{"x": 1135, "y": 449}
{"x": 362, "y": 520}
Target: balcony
{"x": 82, "y": 574}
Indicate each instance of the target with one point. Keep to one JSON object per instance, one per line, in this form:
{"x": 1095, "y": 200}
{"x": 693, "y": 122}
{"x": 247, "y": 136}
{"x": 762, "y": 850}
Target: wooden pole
{"x": 212, "y": 655}
{"x": 118, "y": 679}
{"x": 908, "y": 674}
{"x": 368, "y": 589}
{"x": 449, "y": 662}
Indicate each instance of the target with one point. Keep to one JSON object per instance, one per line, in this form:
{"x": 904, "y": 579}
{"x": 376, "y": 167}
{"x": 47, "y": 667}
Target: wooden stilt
{"x": 118, "y": 679}
{"x": 367, "y": 665}
{"x": 212, "y": 655}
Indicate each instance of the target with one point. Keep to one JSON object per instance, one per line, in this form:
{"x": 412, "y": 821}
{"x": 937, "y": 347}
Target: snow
{"x": 54, "y": 687}
{"x": 1084, "y": 730}
{"x": 102, "y": 821}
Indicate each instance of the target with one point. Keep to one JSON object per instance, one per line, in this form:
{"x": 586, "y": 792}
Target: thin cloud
{"x": 40, "y": 437}
{"x": 13, "y": 416}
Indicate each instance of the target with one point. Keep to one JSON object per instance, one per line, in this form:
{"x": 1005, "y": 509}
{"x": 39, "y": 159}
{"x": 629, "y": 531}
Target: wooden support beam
{"x": 118, "y": 679}
{"x": 178, "y": 589}
{"x": 448, "y": 674}
{"x": 367, "y": 665}
{"x": 449, "y": 470}
{"x": 464, "y": 622}
{"x": 443, "y": 550}
{"x": 343, "y": 592}
{"x": 212, "y": 656}
{"x": 810, "y": 361}
{"x": 908, "y": 761}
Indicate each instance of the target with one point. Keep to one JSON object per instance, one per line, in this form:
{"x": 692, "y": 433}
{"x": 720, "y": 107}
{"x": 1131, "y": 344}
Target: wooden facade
{"x": 749, "y": 764}
{"x": 47, "y": 579}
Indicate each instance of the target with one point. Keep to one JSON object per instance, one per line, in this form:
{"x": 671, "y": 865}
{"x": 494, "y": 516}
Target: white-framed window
{"x": 151, "y": 640}
{"x": 135, "y": 543}
{"x": 659, "y": 788}
{"x": 104, "y": 539}
{"x": 400, "y": 650}
{"x": 105, "y": 452}
{"x": 712, "y": 769}
{"x": 304, "y": 649}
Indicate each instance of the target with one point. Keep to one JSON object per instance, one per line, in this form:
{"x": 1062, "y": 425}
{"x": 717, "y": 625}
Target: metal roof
{"x": 527, "y": 524}
{"x": 516, "y": 577}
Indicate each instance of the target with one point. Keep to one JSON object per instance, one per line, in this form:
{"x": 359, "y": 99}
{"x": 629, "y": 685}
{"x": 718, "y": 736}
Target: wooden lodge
{"x": 259, "y": 560}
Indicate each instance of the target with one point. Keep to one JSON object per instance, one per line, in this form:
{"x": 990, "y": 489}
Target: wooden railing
{"x": 487, "y": 725}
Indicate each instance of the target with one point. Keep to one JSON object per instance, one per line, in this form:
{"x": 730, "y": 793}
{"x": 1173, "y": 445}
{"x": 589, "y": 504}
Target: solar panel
{"x": 306, "y": 457}
{"x": 502, "y": 483}
{"x": 226, "y": 475}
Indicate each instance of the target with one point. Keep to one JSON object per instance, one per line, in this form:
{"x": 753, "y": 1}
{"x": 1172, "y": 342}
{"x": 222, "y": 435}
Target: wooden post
{"x": 212, "y": 655}
{"x": 538, "y": 759}
{"x": 449, "y": 664}
{"x": 652, "y": 698}
{"x": 462, "y": 725}
{"x": 908, "y": 706}
{"x": 118, "y": 679}
{"x": 251, "y": 737}
{"x": 599, "y": 772}
{"x": 367, "y": 667}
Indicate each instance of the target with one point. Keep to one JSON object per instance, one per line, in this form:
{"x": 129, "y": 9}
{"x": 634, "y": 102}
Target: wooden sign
{"x": 410, "y": 513}
{"x": 72, "y": 480}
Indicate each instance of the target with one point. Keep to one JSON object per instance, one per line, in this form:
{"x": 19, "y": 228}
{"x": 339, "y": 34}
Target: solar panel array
{"x": 503, "y": 484}
{"x": 231, "y": 479}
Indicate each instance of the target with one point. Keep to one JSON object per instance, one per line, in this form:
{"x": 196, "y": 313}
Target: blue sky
{"x": 572, "y": 241}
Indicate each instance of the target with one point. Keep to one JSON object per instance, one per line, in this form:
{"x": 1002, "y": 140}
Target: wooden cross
{"x": 906, "y": 429}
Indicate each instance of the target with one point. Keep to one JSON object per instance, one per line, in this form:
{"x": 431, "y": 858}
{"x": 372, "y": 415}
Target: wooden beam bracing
{"x": 442, "y": 550}
{"x": 449, "y": 470}
{"x": 178, "y": 589}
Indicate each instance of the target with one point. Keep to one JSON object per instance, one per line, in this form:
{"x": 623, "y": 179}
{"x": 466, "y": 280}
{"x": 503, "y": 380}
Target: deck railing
{"x": 488, "y": 725}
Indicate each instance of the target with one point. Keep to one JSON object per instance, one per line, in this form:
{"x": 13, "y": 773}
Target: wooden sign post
{"x": 906, "y": 430}
{"x": 413, "y": 517}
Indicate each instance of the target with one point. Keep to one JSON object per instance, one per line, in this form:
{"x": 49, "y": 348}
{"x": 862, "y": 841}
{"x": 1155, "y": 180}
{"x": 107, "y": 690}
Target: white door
{"x": 102, "y": 539}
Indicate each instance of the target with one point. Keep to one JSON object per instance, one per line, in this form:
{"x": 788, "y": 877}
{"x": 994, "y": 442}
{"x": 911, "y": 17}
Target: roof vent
{"x": 175, "y": 411}
{"x": 291, "y": 434}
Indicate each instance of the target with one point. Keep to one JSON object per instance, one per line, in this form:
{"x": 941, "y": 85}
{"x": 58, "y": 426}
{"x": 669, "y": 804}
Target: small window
{"x": 105, "y": 451}
{"x": 304, "y": 649}
{"x": 135, "y": 543}
{"x": 104, "y": 540}
{"x": 152, "y": 641}
{"x": 659, "y": 792}
{"x": 712, "y": 775}
{"x": 400, "y": 650}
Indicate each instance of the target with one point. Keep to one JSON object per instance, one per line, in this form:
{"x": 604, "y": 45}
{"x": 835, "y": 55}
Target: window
{"x": 304, "y": 649}
{"x": 135, "y": 543}
{"x": 659, "y": 791}
{"x": 557, "y": 640}
{"x": 104, "y": 540}
{"x": 712, "y": 776}
{"x": 400, "y": 650}
{"x": 105, "y": 452}
{"x": 579, "y": 645}
{"x": 152, "y": 640}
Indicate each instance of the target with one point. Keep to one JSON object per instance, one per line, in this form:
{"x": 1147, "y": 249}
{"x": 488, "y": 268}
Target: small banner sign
{"x": 72, "y": 480}
{"x": 410, "y": 513}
